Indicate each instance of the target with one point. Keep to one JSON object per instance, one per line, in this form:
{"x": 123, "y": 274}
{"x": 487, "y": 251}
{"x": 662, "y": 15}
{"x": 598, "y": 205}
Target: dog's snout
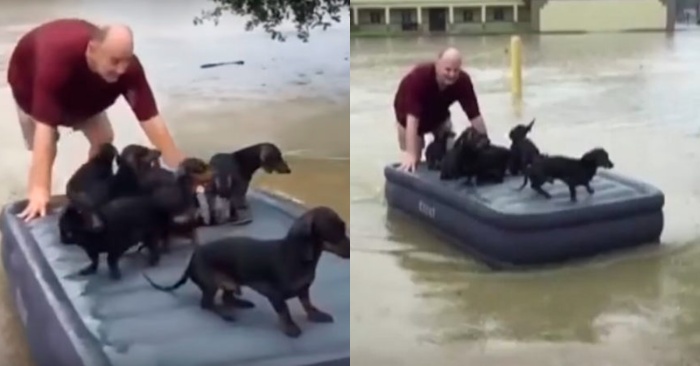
{"x": 282, "y": 168}
{"x": 339, "y": 247}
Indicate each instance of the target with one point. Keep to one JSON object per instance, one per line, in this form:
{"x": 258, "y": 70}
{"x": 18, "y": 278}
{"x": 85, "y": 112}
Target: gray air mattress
{"x": 504, "y": 227}
{"x": 93, "y": 321}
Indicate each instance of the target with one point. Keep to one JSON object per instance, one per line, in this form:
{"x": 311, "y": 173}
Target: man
{"x": 67, "y": 73}
{"x": 423, "y": 100}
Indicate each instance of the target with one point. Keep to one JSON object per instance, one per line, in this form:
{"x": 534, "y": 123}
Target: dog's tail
{"x": 172, "y": 287}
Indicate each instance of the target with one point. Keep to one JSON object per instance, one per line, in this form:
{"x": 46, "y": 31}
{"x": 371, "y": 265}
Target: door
{"x": 437, "y": 19}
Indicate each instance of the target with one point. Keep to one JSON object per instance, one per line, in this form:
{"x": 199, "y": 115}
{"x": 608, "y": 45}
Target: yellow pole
{"x": 516, "y": 66}
{"x": 518, "y": 107}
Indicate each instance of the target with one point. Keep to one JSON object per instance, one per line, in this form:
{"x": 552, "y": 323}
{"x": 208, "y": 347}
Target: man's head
{"x": 448, "y": 66}
{"x": 110, "y": 51}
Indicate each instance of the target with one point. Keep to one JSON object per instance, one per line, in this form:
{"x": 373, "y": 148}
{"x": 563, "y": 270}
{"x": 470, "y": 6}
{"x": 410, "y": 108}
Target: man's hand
{"x": 413, "y": 148}
{"x": 43, "y": 156}
{"x": 159, "y": 135}
{"x": 38, "y": 202}
{"x": 173, "y": 158}
{"x": 408, "y": 162}
{"x": 479, "y": 124}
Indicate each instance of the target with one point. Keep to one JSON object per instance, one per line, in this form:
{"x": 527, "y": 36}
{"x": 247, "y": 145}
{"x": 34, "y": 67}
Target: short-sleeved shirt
{"x": 419, "y": 95}
{"x": 51, "y": 81}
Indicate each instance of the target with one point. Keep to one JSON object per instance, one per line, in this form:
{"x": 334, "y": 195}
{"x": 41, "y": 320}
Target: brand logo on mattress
{"x": 426, "y": 209}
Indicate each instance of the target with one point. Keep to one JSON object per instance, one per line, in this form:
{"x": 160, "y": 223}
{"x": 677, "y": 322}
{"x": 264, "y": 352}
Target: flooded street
{"x": 293, "y": 94}
{"x": 636, "y": 95}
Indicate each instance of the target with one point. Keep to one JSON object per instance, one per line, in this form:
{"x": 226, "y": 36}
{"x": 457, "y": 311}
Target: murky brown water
{"x": 293, "y": 94}
{"x": 637, "y": 95}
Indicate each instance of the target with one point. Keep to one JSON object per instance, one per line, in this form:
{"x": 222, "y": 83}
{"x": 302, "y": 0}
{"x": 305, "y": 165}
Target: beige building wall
{"x": 602, "y": 15}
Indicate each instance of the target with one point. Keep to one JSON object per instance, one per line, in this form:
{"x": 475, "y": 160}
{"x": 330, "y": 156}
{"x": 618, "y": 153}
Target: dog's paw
{"x": 89, "y": 270}
{"x": 153, "y": 260}
{"x": 115, "y": 274}
{"x": 228, "y": 317}
{"x": 291, "y": 330}
{"x": 237, "y": 302}
{"x": 318, "y": 316}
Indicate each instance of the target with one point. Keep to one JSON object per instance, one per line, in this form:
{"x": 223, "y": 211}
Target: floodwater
{"x": 637, "y": 95}
{"x": 293, "y": 94}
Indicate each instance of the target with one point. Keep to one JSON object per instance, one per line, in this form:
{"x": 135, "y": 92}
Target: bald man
{"x": 67, "y": 73}
{"x": 423, "y": 99}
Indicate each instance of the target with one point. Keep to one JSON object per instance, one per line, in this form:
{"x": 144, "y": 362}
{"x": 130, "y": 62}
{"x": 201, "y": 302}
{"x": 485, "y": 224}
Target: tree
{"x": 269, "y": 14}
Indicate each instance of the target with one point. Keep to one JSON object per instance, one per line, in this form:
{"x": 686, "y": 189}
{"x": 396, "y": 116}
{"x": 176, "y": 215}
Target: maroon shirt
{"x": 419, "y": 95}
{"x": 51, "y": 81}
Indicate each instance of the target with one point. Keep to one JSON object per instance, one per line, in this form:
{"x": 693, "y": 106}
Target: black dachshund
{"x": 232, "y": 173}
{"x": 474, "y": 157}
{"x": 573, "y": 172}
{"x": 278, "y": 269}
{"x": 460, "y": 161}
{"x": 522, "y": 150}
{"x": 437, "y": 149}
{"x": 127, "y": 221}
{"x": 89, "y": 187}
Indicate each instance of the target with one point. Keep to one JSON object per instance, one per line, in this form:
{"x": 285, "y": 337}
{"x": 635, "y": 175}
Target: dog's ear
{"x": 302, "y": 231}
{"x": 95, "y": 222}
{"x": 128, "y": 160}
{"x": 265, "y": 151}
{"x": 80, "y": 201}
{"x": 120, "y": 161}
{"x": 303, "y": 228}
{"x": 590, "y": 156}
{"x": 152, "y": 156}
{"x": 106, "y": 152}
{"x": 181, "y": 171}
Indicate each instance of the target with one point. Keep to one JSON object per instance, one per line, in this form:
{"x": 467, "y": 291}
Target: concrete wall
{"x": 601, "y": 15}
{"x": 539, "y": 16}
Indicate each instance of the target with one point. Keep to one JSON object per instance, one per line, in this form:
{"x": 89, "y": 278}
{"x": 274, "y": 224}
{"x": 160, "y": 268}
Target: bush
{"x": 269, "y": 14}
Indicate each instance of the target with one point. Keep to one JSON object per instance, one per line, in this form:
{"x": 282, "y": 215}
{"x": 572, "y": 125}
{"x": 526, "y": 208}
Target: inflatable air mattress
{"x": 505, "y": 227}
{"x": 92, "y": 321}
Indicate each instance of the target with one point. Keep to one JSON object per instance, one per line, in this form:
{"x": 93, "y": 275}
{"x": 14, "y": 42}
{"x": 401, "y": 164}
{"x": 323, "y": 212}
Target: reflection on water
{"x": 293, "y": 94}
{"x": 634, "y": 94}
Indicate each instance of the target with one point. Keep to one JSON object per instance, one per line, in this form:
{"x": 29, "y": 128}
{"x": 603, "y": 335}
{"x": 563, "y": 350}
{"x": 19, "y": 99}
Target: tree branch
{"x": 269, "y": 14}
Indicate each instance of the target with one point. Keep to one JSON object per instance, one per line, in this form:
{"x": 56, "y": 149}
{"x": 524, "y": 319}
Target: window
{"x": 498, "y": 15}
{"x": 375, "y": 16}
{"x": 406, "y": 16}
{"x": 468, "y": 16}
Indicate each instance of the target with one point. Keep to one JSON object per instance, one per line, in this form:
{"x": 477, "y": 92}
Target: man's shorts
{"x": 445, "y": 126}
{"x": 27, "y": 124}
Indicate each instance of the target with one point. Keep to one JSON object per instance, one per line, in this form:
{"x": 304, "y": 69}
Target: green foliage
{"x": 269, "y": 14}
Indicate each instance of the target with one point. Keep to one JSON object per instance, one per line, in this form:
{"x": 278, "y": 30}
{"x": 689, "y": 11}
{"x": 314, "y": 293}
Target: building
{"x": 376, "y": 17}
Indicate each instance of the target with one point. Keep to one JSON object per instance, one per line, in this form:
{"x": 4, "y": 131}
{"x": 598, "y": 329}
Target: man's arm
{"x": 470, "y": 104}
{"x": 46, "y": 115}
{"x": 140, "y": 97}
{"x": 412, "y": 139}
{"x": 157, "y": 132}
{"x": 414, "y": 107}
{"x": 43, "y": 157}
